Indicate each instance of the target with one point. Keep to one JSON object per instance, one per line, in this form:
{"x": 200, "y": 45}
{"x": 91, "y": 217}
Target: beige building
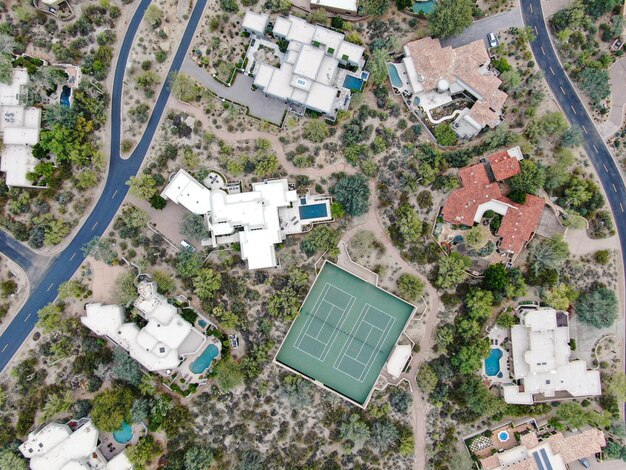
{"x": 553, "y": 453}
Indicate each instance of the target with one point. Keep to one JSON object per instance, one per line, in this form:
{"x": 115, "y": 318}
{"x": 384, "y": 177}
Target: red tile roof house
{"x": 482, "y": 192}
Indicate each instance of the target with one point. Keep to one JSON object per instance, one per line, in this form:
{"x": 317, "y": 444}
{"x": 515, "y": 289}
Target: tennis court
{"x": 344, "y": 333}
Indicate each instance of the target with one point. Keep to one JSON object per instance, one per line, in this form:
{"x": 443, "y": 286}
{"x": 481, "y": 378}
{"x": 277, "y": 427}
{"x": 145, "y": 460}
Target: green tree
{"x": 470, "y": 356}
{"x": 206, "y": 283}
{"x": 597, "y": 307}
{"x": 9, "y": 459}
{"x": 375, "y": 7}
{"x": 477, "y": 236}
{"x": 189, "y": 264}
{"x": 617, "y": 386}
{"x": 410, "y": 287}
{"x": 125, "y": 290}
{"x": 228, "y": 373}
{"x": 144, "y": 452}
{"x": 554, "y": 124}
{"x": 125, "y": 367}
{"x": 153, "y": 16}
{"x": 198, "y": 457}
{"x": 50, "y": 318}
{"x": 354, "y": 429}
{"x": 101, "y": 249}
{"x": 511, "y": 80}
{"x": 547, "y": 255}
{"x": 450, "y": 17}
{"x": 142, "y": 186}
{"x": 530, "y": 179}
{"x": 573, "y": 137}
{"x": 451, "y": 270}
{"x": 505, "y": 320}
{"x": 378, "y": 66}
{"x": 353, "y": 193}
{"x": 184, "y": 87}
{"x": 426, "y": 379}
{"x": 319, "y": 240}
{"x": 444, "y": 133}
{"x": 496, "y": 278}
{"x": 265, "y": 165}
{"x": 194, "y": 227}
{"x": 408, "y": 225}
{"x": 595, "y": 83}
{"x": 318, "y": 16}
{"x": 561, "y": 296}
{"x": 316, "y": 130}
{"x": 384, "y": 435}
{"x": 8, "y": 288}
{"x": 6, "y": 68}
{"x": 166, "y": 283}
{"x": 111, "y": 408}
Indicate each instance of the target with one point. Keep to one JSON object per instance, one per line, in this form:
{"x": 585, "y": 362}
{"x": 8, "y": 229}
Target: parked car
{"x": 188, "y": 246}
{"x": 585, "y": 463}
{"x": 493, "y": 40}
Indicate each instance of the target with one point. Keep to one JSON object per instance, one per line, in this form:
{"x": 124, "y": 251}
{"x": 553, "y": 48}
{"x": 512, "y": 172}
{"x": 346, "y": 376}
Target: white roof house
{"x": 309, "y": 73}
{"x": 20, "y": 131}
{"x": 252, "y": 217}
{"x": 255, "y": 23}
{"x": 158, "y": 346}
{"x": 541, "y": 360}
{"x": 56, "y": 447}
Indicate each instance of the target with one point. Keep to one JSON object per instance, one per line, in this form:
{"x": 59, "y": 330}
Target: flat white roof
{"x": 185, "y": 190}
{"x": 264, "y": 75}
{"x": 400, "y": 355}
{"x": 321, "y": 98}
{"x": 309, "y": 62}
{"x": 541, "y": 358}
{"x": 345, "y": 5}
{"x": 255, "y": 22}
{"x": 281, "y": 27}
{"x": 17, "y": 161}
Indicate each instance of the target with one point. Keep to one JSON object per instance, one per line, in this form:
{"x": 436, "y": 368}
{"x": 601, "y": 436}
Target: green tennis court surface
{"x": 344, "y": 333}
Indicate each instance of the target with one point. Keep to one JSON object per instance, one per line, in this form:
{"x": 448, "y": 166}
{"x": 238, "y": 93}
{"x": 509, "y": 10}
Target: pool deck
{"x": 185, "y": 371}
{"x": 499, "y": 338}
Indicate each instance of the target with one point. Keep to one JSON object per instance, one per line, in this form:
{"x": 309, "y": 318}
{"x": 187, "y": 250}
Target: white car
{"x": 493, "y": 40}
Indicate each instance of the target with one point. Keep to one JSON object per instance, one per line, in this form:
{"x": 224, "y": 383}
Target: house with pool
{"x": 450, "y": 85}
{"x": 72, "y": 445}
{"x": 533, "y": 361}
{"x": 317, "y": 68}
{"x": 257, "y": 220}
{"x": 164, "y": 343}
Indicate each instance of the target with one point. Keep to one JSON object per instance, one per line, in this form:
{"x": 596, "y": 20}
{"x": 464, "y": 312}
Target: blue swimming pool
{"x": 313, "y": 211}
{"x": 202, "y": 323}
{"x": 394, "y": 75}
{"x": 426, "y": 7}
{"x": 65, "y": 96}
{"x": 203, "y": 361}
{"x": 492, "y": 363}
{"x": 352, "y": 83}
{"x": 124, "y": 434}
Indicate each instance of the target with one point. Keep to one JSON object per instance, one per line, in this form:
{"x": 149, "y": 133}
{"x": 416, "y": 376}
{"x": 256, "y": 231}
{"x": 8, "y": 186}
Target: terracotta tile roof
{"x": 464, "y": 65}
{"x": 520, "y": 222}
{"x": 462, "y": 204}
{"x": 503, "y": 165}
{"x": 490, "y": 462}
{"x": 577, "y": 446}
{"x": 529, "y": 440}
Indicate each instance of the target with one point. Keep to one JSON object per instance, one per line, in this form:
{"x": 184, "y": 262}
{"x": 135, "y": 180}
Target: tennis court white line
{"x": 364, "y": 312}
{"x": 304, "y": 333}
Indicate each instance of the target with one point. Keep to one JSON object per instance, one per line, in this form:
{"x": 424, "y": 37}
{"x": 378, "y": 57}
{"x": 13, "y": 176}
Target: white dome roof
{"x": 443, "y": 84}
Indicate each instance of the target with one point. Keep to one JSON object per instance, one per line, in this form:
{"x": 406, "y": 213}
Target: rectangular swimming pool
{"x": 313, "y": 211}
{"x": 352, "y": 83}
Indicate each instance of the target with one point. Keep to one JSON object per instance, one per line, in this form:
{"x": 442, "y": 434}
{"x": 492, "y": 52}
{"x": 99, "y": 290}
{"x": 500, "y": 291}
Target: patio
{"x": 499, "y": 439}
{"x": 499, "y": 338}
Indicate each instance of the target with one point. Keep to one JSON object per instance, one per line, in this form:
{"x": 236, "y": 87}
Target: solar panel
{"x": 538, "y": 461}
{"x": 546, "y": 459}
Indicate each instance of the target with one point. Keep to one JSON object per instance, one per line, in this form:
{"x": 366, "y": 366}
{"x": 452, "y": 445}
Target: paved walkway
{"x": 617, "y": 75}
{"x": 481, "y": 28}
{"x": 259, "y": 105}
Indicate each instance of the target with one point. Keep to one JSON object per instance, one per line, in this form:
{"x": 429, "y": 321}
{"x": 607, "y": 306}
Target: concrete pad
{"x": 481, "y": 28}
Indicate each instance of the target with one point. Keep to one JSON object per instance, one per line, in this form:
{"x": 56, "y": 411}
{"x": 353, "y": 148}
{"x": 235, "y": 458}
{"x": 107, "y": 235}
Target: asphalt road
{"x": 603, "y": 162}
{"x": 68, "y": 261}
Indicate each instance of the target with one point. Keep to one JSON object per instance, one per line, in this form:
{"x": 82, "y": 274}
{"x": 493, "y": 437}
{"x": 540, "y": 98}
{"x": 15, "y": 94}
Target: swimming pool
{"x": 426, "y": 7}
{"x": 492, "y": 363}
{"x": 352, "y": 83}
{"x": 503, "y": 436}
{"x": 65, "y": 96}
{"x": 124, "y": 434}
{"x": 203, "y": 361}
{"x": 313, "y": 211}
{"x": 202, "y": 323}
{"x": 394, "y": 75}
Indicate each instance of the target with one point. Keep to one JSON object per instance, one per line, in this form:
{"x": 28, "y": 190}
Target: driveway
{"x": 241, "y": 92}
{"x": 481, "y": 28}
{"x": 617, "y": 75}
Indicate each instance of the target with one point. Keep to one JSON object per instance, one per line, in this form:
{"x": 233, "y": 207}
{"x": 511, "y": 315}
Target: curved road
{"x": 67, "y": 262}
{"x": 603, "y": 162}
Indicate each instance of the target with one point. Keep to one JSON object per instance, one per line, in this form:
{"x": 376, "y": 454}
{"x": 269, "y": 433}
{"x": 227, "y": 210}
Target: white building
{"x": 257, "y": 220}
{"x": 56, "y": 447}
{"x": 255, "y": 23}
{"x": 310, "y": 73}
{"x": 337, "y": 6}
{"x": 20, "y": 131}
{"x": 162, "y": 344}
{"x": 541, "y": 360}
